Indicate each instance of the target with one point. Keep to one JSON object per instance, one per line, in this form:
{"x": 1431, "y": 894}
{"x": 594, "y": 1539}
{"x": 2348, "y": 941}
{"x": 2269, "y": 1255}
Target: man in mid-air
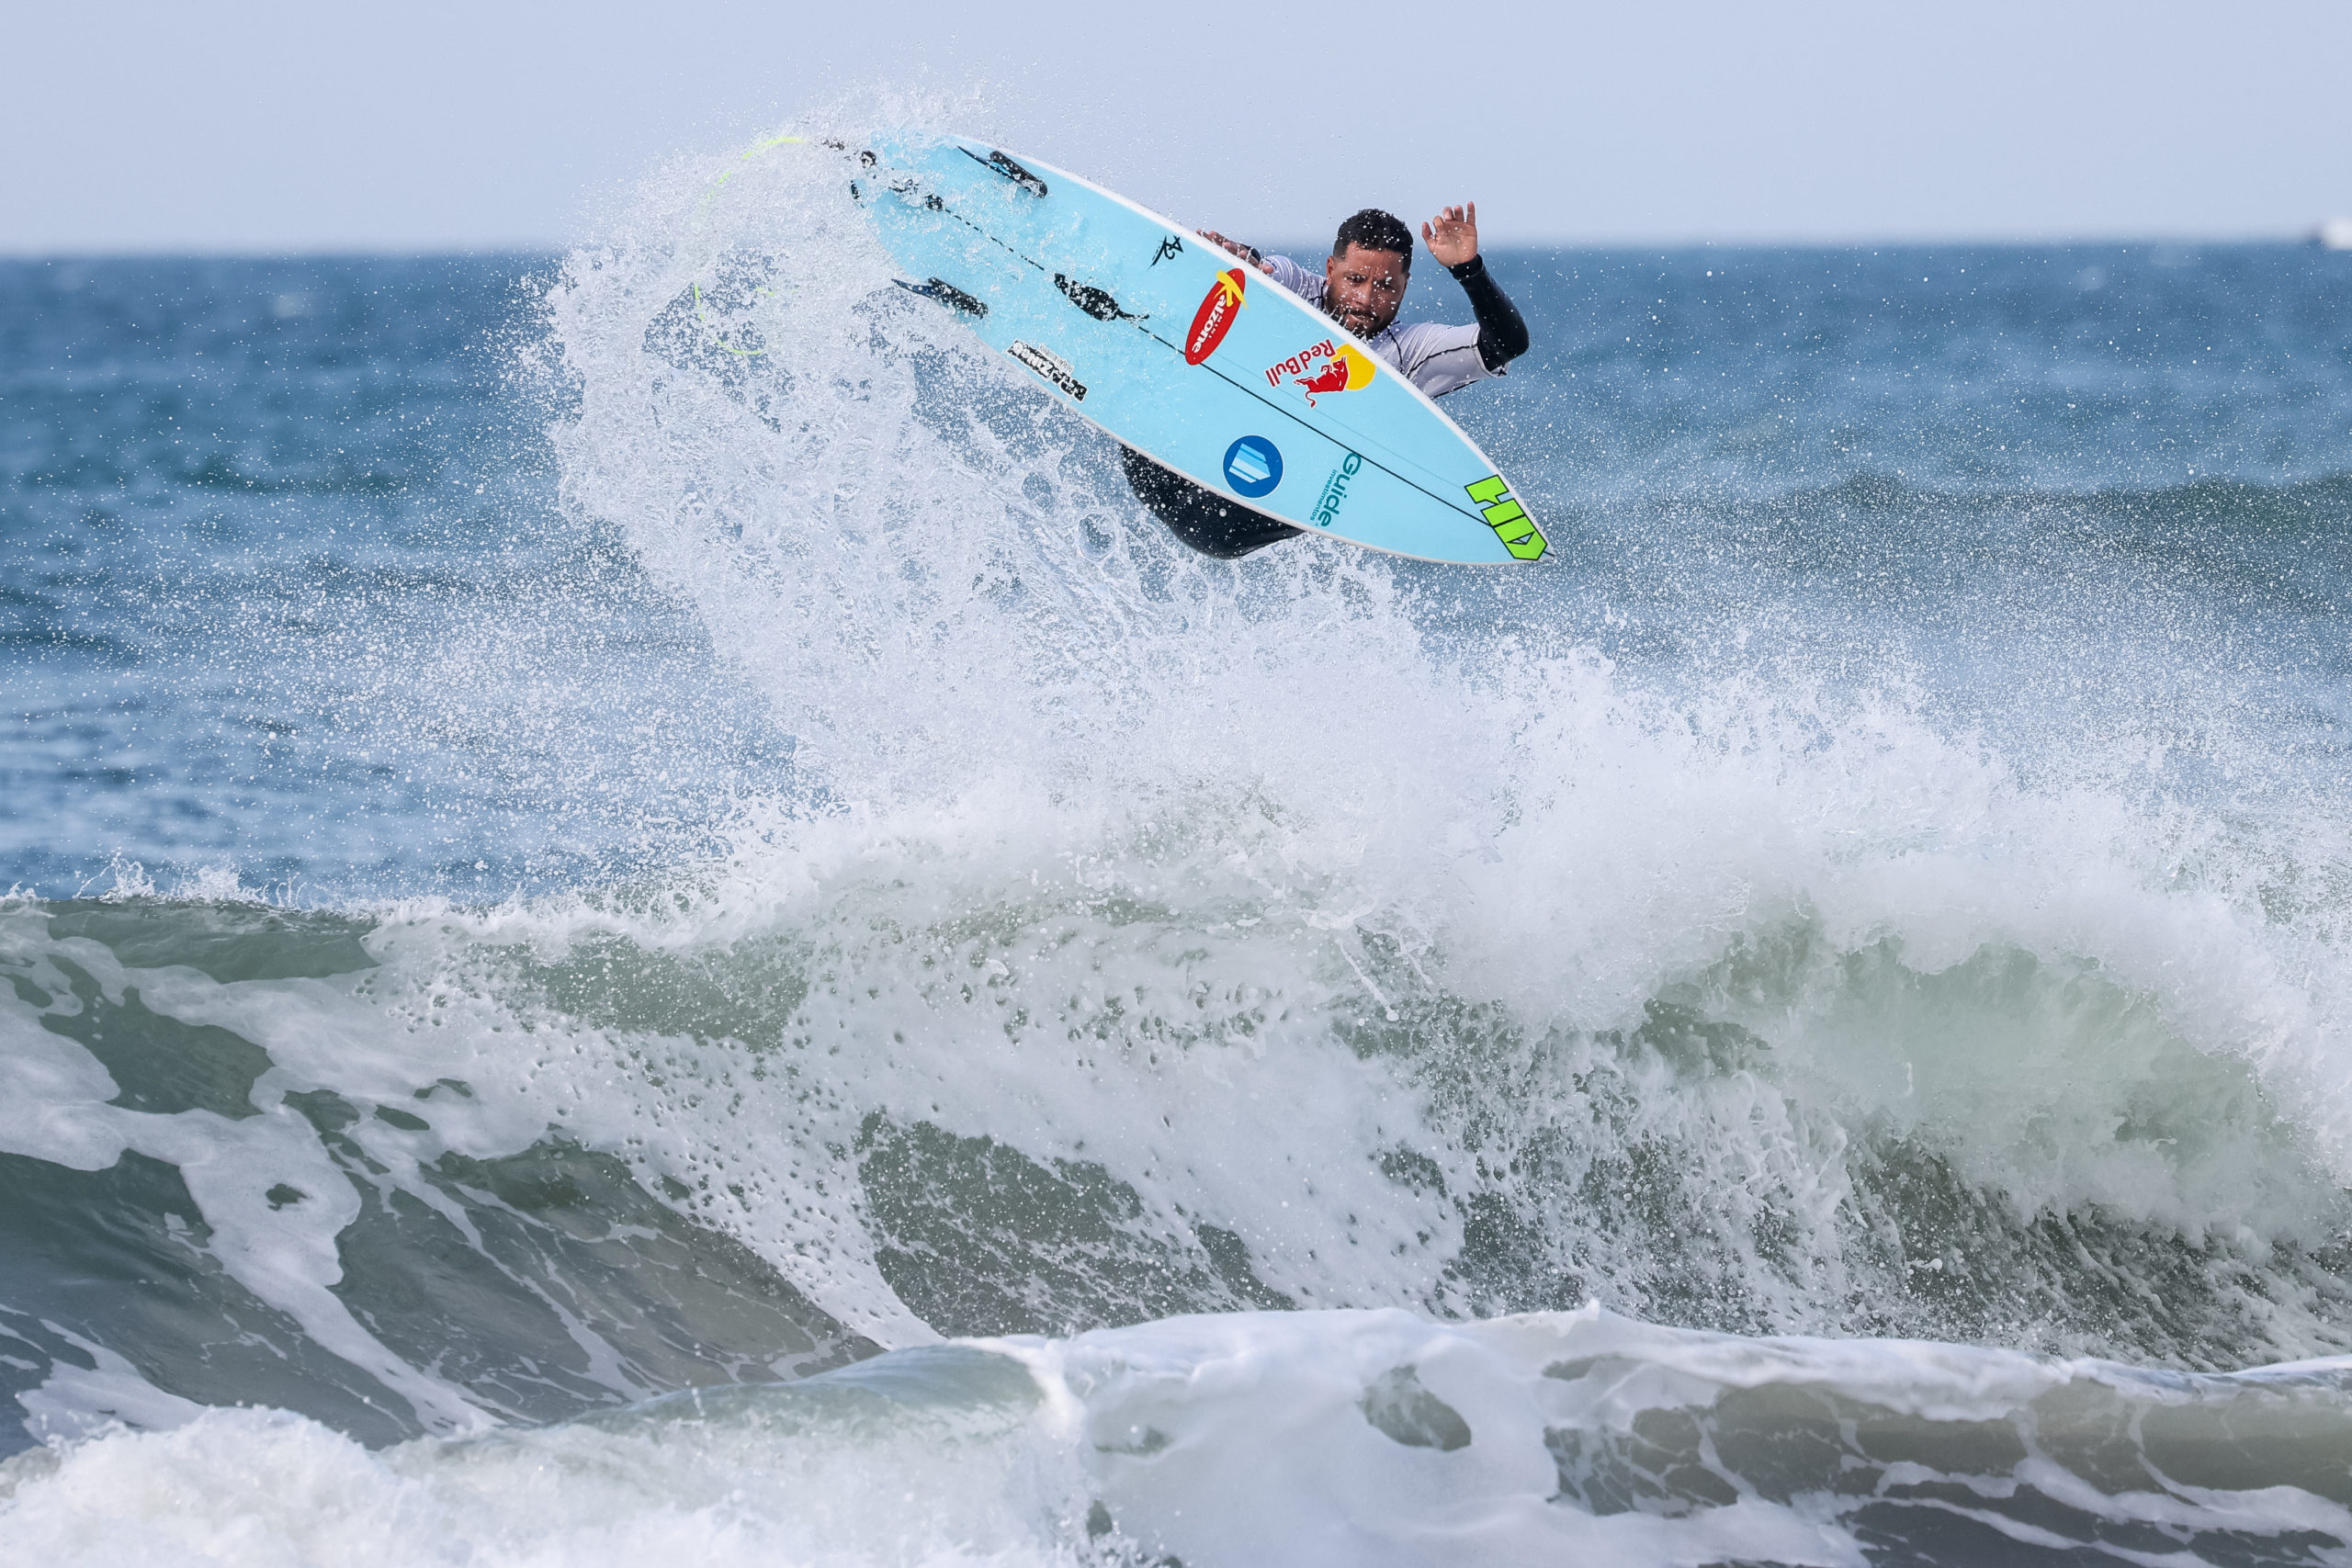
{"x": 1361, "y": 287}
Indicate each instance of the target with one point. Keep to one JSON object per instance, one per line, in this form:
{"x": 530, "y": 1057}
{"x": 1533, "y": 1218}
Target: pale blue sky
{"x": 253, "y": 125}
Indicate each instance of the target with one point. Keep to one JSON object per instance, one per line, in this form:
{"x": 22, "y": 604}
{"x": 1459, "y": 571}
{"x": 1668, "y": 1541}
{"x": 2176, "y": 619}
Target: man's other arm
{"x": 1502, "y": 333}
{"x": 1452, "y": 238}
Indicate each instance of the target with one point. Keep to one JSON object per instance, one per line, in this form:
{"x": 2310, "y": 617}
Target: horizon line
{"x": 336, "y": 250}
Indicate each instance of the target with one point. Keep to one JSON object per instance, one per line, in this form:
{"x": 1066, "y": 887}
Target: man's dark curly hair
{"x": 1376, "y": 231}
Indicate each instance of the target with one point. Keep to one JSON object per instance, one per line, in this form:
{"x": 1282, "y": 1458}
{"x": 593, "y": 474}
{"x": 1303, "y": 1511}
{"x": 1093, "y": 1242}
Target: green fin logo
{"x": 1509, "y": 520}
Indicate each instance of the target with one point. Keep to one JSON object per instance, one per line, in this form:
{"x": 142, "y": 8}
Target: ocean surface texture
{"x": 652, "y": 922}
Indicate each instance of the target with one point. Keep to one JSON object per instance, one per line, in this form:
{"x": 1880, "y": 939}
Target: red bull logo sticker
{"x": 1327, "y": 366}
{"x": 1215, "y": 316}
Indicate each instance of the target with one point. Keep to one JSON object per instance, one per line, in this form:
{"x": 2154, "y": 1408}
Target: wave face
{"x": 744, "y": 955}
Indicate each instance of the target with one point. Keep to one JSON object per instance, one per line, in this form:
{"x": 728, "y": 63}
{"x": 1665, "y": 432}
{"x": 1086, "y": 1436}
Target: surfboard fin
{"x": 947, "y": 294}
{"x": 1009, "y": 169}
{"x": 1096, "y": 303}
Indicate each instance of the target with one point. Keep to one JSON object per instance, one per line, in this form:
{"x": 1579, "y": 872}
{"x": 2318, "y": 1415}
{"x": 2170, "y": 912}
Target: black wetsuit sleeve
{"x": 1502, "y": 335}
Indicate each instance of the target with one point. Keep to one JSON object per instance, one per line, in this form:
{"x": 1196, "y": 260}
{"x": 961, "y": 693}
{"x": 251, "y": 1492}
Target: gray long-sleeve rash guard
{"x": 1437, "y": 359}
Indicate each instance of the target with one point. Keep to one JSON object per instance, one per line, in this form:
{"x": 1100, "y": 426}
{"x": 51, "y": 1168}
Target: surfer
{"x": 1361, "y": 287}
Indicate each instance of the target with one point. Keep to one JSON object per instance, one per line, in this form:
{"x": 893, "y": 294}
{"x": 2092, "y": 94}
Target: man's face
{"x": 1364, "y": 288}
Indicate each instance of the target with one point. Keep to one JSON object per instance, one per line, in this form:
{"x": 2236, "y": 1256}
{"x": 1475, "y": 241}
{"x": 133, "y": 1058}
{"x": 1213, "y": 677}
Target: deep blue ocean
{"x": 648, "y": 914}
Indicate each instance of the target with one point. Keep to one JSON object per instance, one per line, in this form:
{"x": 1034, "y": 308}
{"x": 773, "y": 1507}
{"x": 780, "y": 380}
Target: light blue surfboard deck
{"x": 1193, "y": 357}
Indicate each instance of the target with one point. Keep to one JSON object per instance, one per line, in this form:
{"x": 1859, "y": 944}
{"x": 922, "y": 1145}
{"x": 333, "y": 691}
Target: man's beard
{"x": 1363, "y": 326}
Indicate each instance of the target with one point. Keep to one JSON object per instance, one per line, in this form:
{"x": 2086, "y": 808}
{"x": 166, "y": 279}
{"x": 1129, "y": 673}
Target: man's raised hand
{"x": 1452, "y": 235}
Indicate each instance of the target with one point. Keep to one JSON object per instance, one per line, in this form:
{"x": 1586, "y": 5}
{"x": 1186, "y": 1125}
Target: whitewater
{"x": 651, "y": 916}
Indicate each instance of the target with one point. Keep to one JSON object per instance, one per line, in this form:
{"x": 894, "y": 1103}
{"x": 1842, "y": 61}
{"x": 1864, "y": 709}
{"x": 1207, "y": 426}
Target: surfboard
{"x": 1185, "y": 353}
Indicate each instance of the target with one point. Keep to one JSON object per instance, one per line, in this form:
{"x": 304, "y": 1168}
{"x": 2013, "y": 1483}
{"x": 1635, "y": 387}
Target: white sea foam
{"x": 1341, "y": 1438}
{"x": 907, "y": 565}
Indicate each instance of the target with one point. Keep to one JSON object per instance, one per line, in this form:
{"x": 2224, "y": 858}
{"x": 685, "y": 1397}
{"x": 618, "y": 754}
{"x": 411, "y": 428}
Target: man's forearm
{"x": 1246, "y": 253}
{"x": 1502, "y": 335}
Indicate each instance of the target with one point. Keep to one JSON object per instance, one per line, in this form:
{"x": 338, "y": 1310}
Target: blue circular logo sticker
{"x": 1252, "y": 466}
